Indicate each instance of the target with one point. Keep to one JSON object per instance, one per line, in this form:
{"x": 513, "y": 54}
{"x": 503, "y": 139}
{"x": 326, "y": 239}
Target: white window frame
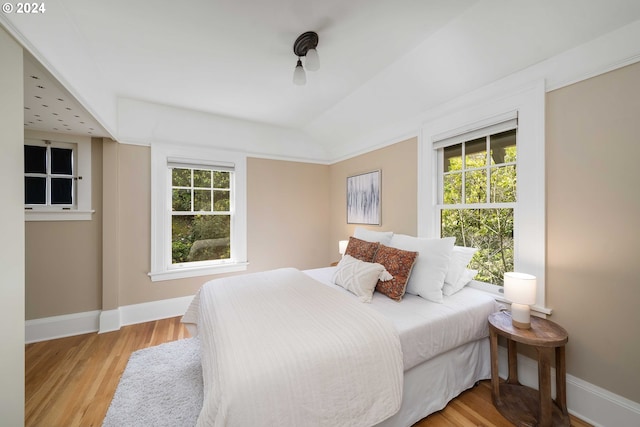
{"x": 190, "y": 156}
{"x": 81, "y": 209}
{"x": 478, "y": 112}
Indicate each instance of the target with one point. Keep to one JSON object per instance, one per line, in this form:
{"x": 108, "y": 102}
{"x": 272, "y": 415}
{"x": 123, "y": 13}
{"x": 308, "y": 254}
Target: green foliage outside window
{"x": 482, "y": 178}
{"x": 202, "y": 230}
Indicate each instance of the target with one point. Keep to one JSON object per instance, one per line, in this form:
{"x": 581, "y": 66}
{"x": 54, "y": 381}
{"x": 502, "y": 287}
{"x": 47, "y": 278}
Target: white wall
{"x": 12, "y": 232}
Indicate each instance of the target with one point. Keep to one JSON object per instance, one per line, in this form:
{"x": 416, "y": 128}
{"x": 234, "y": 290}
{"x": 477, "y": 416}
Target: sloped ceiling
{"x": 200, "y": 71}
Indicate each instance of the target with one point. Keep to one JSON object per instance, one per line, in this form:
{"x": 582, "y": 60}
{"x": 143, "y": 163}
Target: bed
{"x": 291, "y": 348}
{"x": 445, "y": 346}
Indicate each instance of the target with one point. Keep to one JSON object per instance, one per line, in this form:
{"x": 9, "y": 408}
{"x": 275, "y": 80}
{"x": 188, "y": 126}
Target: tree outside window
{"x": 477, "y": 201}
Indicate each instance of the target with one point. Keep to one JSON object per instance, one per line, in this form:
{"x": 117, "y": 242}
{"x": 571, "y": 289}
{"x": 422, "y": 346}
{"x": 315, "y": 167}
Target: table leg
{"x": 544, "y": 385}
{"x": 561, "y": 381}
{"x": 495, "y": 380}
{"x": 512, "y": 355}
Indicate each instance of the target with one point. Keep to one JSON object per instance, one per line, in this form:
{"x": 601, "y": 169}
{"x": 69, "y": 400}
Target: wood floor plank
{"x": 70, "y": 381}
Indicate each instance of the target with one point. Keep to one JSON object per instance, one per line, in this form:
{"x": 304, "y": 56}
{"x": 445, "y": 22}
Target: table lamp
{"x": 342, "y": 246}
{"x": 520, "y": 289}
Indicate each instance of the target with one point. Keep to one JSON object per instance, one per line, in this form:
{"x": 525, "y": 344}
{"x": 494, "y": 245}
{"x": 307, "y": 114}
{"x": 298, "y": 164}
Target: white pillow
{"x": 432, "y": 263}
{"x": 383, "y": 237}
{"x": 467, "y": 275}
{"x": 460, "y": 258}
{"x": 359, "y": 277}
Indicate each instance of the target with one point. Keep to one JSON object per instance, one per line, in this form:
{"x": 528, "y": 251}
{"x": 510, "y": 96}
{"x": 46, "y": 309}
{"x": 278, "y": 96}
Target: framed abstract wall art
{"x": 363, "y": 198}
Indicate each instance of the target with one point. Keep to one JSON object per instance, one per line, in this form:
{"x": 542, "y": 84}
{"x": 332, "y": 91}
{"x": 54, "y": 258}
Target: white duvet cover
{"x": 281, "y": 349}
{"x": 426, "y": 328}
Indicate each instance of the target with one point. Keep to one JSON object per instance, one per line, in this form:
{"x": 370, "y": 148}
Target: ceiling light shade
{"x": 305, "y": 45}
{"x": 299, "y": 76}
{"x": 520, "y": 289}
{"x": 312, "y": 60}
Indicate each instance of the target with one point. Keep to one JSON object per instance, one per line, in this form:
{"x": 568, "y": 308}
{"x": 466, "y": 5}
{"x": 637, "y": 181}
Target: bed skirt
{"x": 429, "y": 386}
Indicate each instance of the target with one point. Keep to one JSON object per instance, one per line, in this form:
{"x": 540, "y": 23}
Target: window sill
{"x": 497, "y": 292}
{"x": 183, "y": 273}
{"x": 58, "y": 215}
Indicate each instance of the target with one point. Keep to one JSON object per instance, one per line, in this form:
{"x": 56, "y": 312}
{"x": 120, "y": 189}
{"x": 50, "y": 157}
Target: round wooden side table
{"x": 520, "y": 404}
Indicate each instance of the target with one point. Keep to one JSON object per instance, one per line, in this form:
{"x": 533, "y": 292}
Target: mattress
{"x": 426, "y": 328}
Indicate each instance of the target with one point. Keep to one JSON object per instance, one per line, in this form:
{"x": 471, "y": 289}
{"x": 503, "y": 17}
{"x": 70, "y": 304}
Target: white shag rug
{"x": 161, "y": 386}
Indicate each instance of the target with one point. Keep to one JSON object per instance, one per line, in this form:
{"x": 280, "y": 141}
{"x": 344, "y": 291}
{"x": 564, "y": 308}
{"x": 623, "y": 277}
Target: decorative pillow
{"x": 383, "y": 237}
{"x": 399, "y": 264}
{"x": 460, "y": 258}
{"x": 467, "y": 275}
{"x": 359, "y": 277}
{"x": 431, "y": 266}
{"x": 362, "y": 250}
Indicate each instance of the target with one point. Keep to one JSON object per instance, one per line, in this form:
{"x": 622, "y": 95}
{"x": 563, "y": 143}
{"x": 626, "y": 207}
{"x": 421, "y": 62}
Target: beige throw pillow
{"x": 359, "y": 277}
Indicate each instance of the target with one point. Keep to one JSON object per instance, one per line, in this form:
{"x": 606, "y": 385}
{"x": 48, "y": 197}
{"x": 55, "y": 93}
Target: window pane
{"x": 453, "y": 158}
{"x": 475, "y": 186}
{"x": 202, "y": 178}
{"x": 200, "y": 237}
{"x": 503, "y": 184}
{"x": 221, "y": 199}
{"x": 35, "y": 159}
{"x": 489, "y": 230}
{"x": 503, "y": 147}
{"x": 181, "y": 200}
{"x": 35, "y": 191}
{"x": 452, "y": 188}
{"x": 221, "y": 179}
{"x": 202, "y": 200}
{"x": 475, "y": 153}
{"x": 181, "y": 177}
{"x": 61, "y": 191}
{"x": 61, "y": 161}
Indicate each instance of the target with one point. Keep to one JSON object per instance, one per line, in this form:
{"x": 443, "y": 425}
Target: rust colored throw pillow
{"x": 399, "y": 264}
{"x": 362, "y": 250}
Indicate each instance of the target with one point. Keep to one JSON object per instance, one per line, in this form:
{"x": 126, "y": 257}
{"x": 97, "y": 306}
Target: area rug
{"x": 161, "y": 386}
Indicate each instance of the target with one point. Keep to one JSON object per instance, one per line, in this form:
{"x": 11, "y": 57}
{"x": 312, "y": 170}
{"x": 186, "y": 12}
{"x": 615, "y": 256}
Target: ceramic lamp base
{"x": 521, "y": 316}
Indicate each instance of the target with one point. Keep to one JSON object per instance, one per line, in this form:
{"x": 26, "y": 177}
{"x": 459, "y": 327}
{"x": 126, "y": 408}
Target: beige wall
{"x": 288, "y": 214}
{"x": 287, "y": 222}
{"x": 12, "y": 232}
{"x": 399, "y": 165}
{"x": 593, "y": 226}
{"x": 64, "y": 258}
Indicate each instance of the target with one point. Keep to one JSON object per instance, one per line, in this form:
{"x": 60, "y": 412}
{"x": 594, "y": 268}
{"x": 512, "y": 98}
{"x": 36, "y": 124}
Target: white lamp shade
{"x": 312, "y": 60}
{"x": 342, "y": 246}
{"x": 520, "y": 288}
{"x": 299, "y": 76}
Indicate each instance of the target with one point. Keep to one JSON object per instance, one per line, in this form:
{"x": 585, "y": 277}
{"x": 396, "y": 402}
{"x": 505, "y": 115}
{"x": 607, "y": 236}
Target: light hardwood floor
{"x": 70, "y": 381}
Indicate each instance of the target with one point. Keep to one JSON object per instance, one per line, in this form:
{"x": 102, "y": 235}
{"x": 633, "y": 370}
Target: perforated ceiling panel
{"x": 49, "y": 107}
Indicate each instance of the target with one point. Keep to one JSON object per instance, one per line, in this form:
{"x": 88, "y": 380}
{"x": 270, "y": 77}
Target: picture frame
{"x": 363, "y": 198}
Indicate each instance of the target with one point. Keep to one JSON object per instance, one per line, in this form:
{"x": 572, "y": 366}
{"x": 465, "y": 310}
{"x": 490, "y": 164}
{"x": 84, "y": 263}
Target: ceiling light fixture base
{"x": 304, "y": 42}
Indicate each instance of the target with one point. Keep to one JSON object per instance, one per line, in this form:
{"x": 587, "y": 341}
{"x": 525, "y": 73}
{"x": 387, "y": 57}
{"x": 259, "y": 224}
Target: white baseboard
{"x": 109, "y": 320}
{"x": 67, "y": 325}
{"x": 590, "y": 403}
{"x": 155, "y": 310}
{"x": 50, "y": 328}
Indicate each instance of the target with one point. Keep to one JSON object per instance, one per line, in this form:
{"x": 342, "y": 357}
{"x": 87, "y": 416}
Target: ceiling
{"x": 50, "y": 107}
{"x": 213, "y": 60}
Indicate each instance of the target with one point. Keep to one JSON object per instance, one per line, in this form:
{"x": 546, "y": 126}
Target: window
{"x": 198, "y": 212}
{"x": 469, "y": 157}
{"x": 49, "y": 174}
{"x": 476, "y": 200}
{"x": 200, "y": 215}
{"x": 57, "y": 179}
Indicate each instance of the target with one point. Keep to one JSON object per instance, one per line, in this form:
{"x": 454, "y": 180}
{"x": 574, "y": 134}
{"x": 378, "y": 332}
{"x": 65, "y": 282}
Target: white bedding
{"x": 278, "y": 348}
{"x": 427, "y": 328}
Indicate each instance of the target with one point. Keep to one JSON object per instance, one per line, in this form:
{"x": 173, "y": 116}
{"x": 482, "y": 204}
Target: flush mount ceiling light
{"x": 305, "y": 45}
